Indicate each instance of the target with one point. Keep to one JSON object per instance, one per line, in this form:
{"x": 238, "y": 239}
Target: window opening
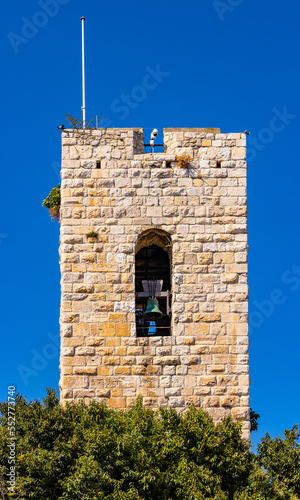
{"x": 153, "y": 292}
{"x": 98, "y": 164}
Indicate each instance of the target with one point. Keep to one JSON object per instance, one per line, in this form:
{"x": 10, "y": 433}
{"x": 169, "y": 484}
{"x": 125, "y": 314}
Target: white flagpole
{"x": 83, "y": 75}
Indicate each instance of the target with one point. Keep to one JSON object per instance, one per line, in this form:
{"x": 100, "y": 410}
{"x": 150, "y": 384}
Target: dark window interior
{"x": 152, "y": 263}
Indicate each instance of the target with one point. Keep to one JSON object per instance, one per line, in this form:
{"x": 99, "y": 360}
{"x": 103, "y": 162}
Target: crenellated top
{"x": 115, "y": 143}
{"x": 128, "y": 144}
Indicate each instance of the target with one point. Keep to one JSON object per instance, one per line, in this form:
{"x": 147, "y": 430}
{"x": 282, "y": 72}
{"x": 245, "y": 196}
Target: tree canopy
{"x": 91, "y": 452}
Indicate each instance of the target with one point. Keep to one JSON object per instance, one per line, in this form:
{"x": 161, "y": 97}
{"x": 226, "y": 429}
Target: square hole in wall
{"x": 98, "y": 164}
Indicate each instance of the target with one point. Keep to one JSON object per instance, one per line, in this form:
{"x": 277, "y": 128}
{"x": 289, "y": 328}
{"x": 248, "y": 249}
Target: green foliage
{"x": 53, "y": 198}
{"x": 280, "y": 458}
{"x": 76, "y": 124}
{"x": 52, "y": 202}
{"x": 92, "y": 234}
{"x": 253, "y": 420}
{"x": 93, "y": 452}
{"x": 275, "y": 469}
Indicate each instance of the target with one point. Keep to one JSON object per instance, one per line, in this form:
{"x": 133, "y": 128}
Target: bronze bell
{"x": 152, "y": 312}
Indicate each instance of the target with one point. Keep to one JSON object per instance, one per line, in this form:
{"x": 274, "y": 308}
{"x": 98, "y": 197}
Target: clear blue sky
{"x": 232, "y": 64}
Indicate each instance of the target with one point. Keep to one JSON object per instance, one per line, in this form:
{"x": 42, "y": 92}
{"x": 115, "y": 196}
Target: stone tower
{"x": 175, "y": 221}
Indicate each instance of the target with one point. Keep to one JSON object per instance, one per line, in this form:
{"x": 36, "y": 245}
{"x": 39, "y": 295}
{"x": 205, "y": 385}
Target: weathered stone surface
{"x": 85, "y": 370}
{"x": 71, "y": 382}
{"x": 203, "y": 210}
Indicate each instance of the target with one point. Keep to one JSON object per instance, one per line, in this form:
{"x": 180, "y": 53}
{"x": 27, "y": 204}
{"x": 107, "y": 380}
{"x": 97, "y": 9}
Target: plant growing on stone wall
{"x": 52, "y": 202}
{"x": 92, "y": 235}
{"x": 76, "y": 124}
{"x": 183, "y": 160}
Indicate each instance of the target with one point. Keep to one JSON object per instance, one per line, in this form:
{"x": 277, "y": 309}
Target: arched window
{"x": 153, "y": 284}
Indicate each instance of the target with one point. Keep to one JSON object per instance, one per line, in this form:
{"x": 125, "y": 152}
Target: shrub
{"x": 183, "y": 160}
{"x": 92, "y": 234}
{"x": 52, "y": 202}
{"x": 93, "y": 452}
{"x": 76, "y": 124}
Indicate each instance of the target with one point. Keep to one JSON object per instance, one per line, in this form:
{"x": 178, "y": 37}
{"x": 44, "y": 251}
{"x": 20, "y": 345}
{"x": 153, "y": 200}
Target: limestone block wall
{"x": 111, "y": 187}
